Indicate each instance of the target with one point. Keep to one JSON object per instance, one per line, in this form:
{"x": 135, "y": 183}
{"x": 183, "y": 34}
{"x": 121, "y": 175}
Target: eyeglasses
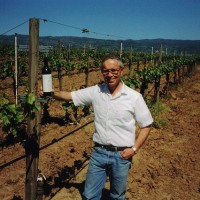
{"x": 112, "y": 71}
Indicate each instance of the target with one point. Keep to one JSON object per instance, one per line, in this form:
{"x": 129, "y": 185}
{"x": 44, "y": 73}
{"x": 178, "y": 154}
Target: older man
{"x": 117, "y": 109}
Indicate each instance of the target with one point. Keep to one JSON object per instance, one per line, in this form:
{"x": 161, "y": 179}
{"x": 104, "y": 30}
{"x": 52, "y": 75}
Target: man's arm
{"x": 142, "y": 137}
{"x": 62, "y": 96}
{"x": 58, "y": 95}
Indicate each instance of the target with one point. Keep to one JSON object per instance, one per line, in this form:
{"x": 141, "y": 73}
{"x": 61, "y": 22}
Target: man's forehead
{"x": 110, "y": 62}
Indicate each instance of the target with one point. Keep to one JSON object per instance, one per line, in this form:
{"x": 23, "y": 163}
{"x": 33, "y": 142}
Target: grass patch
{"x": 159, "y": 111}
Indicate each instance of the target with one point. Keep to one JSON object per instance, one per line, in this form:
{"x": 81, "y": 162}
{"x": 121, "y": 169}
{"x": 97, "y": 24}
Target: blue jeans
{"x": 105, "y": 163}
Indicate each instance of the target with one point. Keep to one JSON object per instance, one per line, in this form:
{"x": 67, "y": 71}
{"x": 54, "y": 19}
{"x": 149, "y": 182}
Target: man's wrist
{"x": 134, "y": 149}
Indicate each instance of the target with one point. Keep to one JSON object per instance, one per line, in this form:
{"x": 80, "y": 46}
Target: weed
{"x": 159, "y": 110}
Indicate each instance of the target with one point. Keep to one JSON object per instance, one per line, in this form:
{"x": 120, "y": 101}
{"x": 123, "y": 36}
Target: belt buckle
{"x": 115, "y": 148}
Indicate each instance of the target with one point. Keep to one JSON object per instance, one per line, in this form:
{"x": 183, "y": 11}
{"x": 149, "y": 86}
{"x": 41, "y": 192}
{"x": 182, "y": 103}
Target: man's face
{"x": 111, "y": 72}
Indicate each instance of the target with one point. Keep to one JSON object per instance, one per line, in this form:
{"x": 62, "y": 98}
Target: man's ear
{"x": 122, "y": 71}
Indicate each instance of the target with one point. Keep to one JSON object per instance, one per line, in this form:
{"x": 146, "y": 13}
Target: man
{"x": 117, "y": 108}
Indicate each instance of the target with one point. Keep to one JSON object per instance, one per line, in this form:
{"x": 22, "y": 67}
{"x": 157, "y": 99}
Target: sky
{"x": 105, "y": 19}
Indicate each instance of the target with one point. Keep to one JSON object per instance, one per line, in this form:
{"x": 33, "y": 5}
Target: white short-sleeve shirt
{"x": 115, "y": 117}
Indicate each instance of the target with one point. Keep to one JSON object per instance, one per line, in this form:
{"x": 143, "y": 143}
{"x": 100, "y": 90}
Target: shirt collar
{"x": 104, "y": 88}
{"x": 124, "y": 89}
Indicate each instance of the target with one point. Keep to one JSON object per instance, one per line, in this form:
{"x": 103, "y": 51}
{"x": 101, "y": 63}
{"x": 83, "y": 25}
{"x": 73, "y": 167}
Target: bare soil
{"x": 166, "y": 168}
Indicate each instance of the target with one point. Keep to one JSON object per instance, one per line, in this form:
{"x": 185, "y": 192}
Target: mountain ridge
{"x": 142, "y": 45}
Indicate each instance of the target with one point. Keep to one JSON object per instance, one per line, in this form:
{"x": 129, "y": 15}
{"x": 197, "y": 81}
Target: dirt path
{"x": 166, "y": 168}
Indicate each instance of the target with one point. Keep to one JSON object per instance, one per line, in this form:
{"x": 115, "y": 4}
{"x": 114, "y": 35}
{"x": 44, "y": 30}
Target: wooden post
{"x": 84, "y": 49}
{"x": 32, "y": 143}
{"x": 130, "y": 61}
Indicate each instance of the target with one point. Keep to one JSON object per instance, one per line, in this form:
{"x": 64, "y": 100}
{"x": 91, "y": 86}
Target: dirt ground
{"x": 166, "y": 168}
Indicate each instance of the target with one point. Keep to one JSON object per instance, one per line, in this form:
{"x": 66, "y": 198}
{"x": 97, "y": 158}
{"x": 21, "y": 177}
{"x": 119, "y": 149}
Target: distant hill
{"x": 145, "y": 45}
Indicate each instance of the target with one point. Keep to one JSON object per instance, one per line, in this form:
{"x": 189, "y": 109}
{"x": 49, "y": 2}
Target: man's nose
{"x": 110, "y": 73}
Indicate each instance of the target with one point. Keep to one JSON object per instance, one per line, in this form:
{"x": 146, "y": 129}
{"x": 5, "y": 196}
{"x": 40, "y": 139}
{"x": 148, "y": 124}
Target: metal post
{"x": 161, "y": 51}
{"x": 16, "y": 70}
{"x": 151, "y": 54}
{"x": 121, "y": 49}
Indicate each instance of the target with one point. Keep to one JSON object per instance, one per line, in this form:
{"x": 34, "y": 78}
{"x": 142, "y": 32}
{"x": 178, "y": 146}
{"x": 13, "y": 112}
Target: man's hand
{"x": 142, "y": 137}
{"x": 127, "y": 153}
{"x": 40, "y": 91}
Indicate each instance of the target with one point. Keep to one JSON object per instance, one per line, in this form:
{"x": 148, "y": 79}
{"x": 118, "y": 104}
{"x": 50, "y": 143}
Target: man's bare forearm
{"x": 142, "y": 137}
{"x": 62, "y": 95}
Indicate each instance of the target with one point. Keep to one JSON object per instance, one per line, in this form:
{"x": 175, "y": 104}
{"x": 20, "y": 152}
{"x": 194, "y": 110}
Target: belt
{"x": 110, "y": 147}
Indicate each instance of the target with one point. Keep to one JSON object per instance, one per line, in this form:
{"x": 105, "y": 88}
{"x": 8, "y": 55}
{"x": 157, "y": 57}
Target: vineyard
{"x": 151, "y": 75}
{"x": 170, "y": 85}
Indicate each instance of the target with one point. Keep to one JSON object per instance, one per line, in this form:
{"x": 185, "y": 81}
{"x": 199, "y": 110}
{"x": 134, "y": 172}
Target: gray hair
{"x": 114, "y": 57}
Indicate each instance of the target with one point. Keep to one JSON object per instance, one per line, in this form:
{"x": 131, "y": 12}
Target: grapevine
{"x": 14, "y": 117}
